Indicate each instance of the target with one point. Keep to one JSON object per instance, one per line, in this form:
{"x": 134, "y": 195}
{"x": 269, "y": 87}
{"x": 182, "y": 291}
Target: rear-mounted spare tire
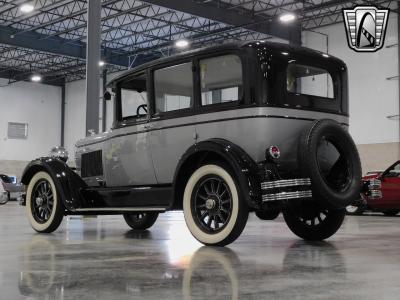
{"x": 328, "y": 156}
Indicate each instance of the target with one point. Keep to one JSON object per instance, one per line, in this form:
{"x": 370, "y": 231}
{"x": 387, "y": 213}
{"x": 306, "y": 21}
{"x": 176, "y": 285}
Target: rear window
{"x": 308, "y": 80}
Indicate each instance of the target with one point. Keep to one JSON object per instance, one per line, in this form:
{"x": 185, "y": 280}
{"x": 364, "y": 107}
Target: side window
{"x": 221, "y": 79}
{"x": 133, "y": 95}
{"x": 307, "y": 80}
{"x": 173, "y": 88}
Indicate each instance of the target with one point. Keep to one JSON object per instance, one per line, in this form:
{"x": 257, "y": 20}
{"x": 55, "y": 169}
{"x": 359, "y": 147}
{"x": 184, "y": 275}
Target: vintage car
{"x": 4, "y": 195}
{"x": 15, "y": 190}
{"x": 387, "y": 198}
{"x": 218, "y": 133}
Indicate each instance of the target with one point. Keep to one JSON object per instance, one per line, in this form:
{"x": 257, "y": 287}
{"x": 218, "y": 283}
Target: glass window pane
{"x": 133, "y": 94}
{"x": 221, "y": 79}
{"x": 173, "y": 87}
{"x": 309, "y": 80}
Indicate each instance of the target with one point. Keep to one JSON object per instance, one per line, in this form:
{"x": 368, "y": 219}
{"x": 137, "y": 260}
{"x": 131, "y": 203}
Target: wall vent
{"x": 17, "y": 130}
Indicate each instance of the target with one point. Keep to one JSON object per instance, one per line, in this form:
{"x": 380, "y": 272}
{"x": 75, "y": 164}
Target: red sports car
{"x": 389, "y": 203}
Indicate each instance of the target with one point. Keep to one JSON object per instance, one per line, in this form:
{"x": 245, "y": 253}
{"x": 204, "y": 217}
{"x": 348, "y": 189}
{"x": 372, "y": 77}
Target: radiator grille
{"x": 91, "y": 164}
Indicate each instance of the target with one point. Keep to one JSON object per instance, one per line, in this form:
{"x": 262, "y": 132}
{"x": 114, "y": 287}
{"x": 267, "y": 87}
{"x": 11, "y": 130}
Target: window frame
{"x": 152, "y": 97}
{"x": 130, "y": 121}
{"x": 223, "y": 105}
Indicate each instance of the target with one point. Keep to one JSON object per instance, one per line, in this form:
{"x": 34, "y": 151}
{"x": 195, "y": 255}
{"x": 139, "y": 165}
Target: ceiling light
{"x": 181, "y": 43}
{"x": 287, "y": 17}
{"x": 101, "y": 63}
{"x": 285, "y": 53}
{"x": 27, "y": 8}
{"x": 36, "y": 78}
{"x": 325, "y": 55}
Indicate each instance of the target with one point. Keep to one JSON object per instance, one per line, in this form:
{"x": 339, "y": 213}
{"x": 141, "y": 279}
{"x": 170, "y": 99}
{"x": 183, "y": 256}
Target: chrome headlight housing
{"x": 60, "y": 153}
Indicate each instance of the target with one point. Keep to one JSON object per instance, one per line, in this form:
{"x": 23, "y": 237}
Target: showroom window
{"x": 173, "y": 88}
{"x": 134, "y": 97}
{"x": 307, "y": 80}
{"x": 221, "y": 79}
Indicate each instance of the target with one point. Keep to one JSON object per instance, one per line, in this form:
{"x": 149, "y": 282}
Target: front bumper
{"x": 286, "y": 189}
{"x": 372, "y": 189}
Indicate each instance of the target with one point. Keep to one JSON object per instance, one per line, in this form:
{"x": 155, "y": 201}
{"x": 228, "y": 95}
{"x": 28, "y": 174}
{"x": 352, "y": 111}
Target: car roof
{"x": 273, "y": 46}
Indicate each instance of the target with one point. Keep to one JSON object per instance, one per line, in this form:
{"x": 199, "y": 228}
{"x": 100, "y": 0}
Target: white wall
{"x": 36, "y": 104}
{"x": 75, "y": 113}
{"x": 372, "y": 97}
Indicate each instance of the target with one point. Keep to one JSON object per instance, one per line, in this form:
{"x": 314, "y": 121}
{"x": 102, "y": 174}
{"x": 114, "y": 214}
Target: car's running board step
{"x": 285, "y": 183}
{"x": 286, "y": 196}
{"x": 120, "y": 209}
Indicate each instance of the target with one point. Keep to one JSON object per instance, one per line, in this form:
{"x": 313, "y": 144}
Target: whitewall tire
{"x": 214, "y": 210}
{"x": 44, "y": 208}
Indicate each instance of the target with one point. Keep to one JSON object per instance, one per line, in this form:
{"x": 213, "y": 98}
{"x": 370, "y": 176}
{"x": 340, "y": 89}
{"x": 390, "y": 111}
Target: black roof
{"x": 276, "y": 47}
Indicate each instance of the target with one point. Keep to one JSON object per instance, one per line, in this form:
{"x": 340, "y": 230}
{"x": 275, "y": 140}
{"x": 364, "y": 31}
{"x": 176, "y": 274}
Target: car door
{"x": 391, "y": 187}
{"x": 172, "y": 129}
{"x": 127, "y": 156}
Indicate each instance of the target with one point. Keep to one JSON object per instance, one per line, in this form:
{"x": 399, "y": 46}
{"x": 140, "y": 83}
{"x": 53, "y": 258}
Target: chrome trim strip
{"x": 286, "y": 195}
{"x": 121, "y": 209}
{"x": 285, "y": 183}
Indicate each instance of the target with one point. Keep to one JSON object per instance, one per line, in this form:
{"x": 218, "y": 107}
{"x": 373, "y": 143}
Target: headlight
{"x": 60, "y": 153}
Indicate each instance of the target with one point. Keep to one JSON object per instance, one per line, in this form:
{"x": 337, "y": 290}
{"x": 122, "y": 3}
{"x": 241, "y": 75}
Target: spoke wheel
{"x": 310, "y": 222}
{"x": 43, "y": 201}
{"x": 214, "y": 209}
{"x": 141, "y": 220}
{"x": 44, "y": 208}
{"x": 212, "y": 204}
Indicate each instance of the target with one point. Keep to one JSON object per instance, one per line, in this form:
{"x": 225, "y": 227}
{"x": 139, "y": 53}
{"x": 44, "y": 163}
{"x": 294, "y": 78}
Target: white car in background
{"x": 14, "y": 190}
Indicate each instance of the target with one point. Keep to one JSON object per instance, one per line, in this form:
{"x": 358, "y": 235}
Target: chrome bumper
{"x": 286, "y": 189}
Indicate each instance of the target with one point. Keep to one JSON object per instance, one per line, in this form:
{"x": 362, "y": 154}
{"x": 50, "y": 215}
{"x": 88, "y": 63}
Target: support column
{"x": 104, "y": 119}
{"x": 92, "y": 65}
{"x": 398, "y": 67}
{"x": 62, "y": 141}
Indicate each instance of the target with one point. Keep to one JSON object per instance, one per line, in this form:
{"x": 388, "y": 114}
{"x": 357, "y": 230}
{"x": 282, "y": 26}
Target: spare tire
{"x": 328, "y": 156}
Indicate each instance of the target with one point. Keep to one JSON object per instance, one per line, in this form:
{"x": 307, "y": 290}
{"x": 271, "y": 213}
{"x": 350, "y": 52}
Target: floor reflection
{"x": 51, "y": 269}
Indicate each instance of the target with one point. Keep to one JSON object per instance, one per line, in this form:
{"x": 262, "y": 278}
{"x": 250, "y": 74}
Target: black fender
{"x": 244, "y": 167}
{"x": 68, "y": 183}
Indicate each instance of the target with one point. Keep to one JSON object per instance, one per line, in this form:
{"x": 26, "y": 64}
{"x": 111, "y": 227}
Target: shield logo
{"x": 365, "y": 27}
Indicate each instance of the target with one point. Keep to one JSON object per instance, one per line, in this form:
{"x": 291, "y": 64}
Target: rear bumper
{"x": 286, "y": 189}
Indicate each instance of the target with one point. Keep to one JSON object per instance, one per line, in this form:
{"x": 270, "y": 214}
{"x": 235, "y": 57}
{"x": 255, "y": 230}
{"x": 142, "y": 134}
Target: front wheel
{"x": 313, "y": 223}
{"x": 44, "y": 208}
{"x": 213, "y": 206}
{"x": 141, "y": 220}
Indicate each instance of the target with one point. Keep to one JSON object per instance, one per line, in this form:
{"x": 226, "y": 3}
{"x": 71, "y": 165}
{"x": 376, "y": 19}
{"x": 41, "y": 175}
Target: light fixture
{"x": 36, "y": 78}
{"x": 285, "y": 53}
{"x": 289, "y": 17}
{"x": 325, "y": 55}
{"x": 26, "y": 8}
{"x": 181, "y": 43}
{"x": 101, "y": 63}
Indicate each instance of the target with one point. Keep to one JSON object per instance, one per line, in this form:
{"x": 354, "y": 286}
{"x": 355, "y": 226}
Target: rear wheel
{"x": 313, "y": 223}
{"x": 141, "y": 220}
{"x": 213, "y": 206}
{"x": 44, "y": 208}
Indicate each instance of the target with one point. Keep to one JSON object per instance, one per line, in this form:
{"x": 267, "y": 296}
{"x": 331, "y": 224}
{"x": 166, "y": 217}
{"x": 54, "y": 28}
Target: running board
{"x": 117, "y": 209}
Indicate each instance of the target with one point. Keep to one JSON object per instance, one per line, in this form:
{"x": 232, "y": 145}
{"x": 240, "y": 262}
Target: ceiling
{"x": 51, "y": 40}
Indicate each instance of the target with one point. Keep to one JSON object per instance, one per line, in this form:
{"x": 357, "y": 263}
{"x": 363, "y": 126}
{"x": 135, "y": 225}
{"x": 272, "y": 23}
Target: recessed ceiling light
{"x": 36, "y": 78}
{"x": 101, "y": 63}
{"x": 289, "y": 17}
{"x": 26, "y": 8}
{"x": 285, "y": 53}
{"x": 182, "y": 43}
{"x": 325, "y": 55}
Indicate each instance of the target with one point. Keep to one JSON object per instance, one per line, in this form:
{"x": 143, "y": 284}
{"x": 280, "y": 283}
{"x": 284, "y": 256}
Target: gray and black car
{"x": 218, "y": 133}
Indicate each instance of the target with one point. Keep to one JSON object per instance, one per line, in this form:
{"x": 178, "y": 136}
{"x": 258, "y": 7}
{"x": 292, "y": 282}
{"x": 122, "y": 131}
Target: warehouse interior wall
{"x": 372, "y": 96}
{"x": 37, "y": 105}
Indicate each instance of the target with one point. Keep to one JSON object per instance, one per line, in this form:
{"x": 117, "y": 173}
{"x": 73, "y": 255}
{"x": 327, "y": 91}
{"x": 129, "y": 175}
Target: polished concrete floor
{"x": 100, "y": 258}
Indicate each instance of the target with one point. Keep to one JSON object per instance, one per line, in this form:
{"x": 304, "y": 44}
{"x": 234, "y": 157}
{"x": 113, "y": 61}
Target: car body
{"x": 14, "y": 189}
{"x": 238, "y": 121}
{"x": 388, "y": 201}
